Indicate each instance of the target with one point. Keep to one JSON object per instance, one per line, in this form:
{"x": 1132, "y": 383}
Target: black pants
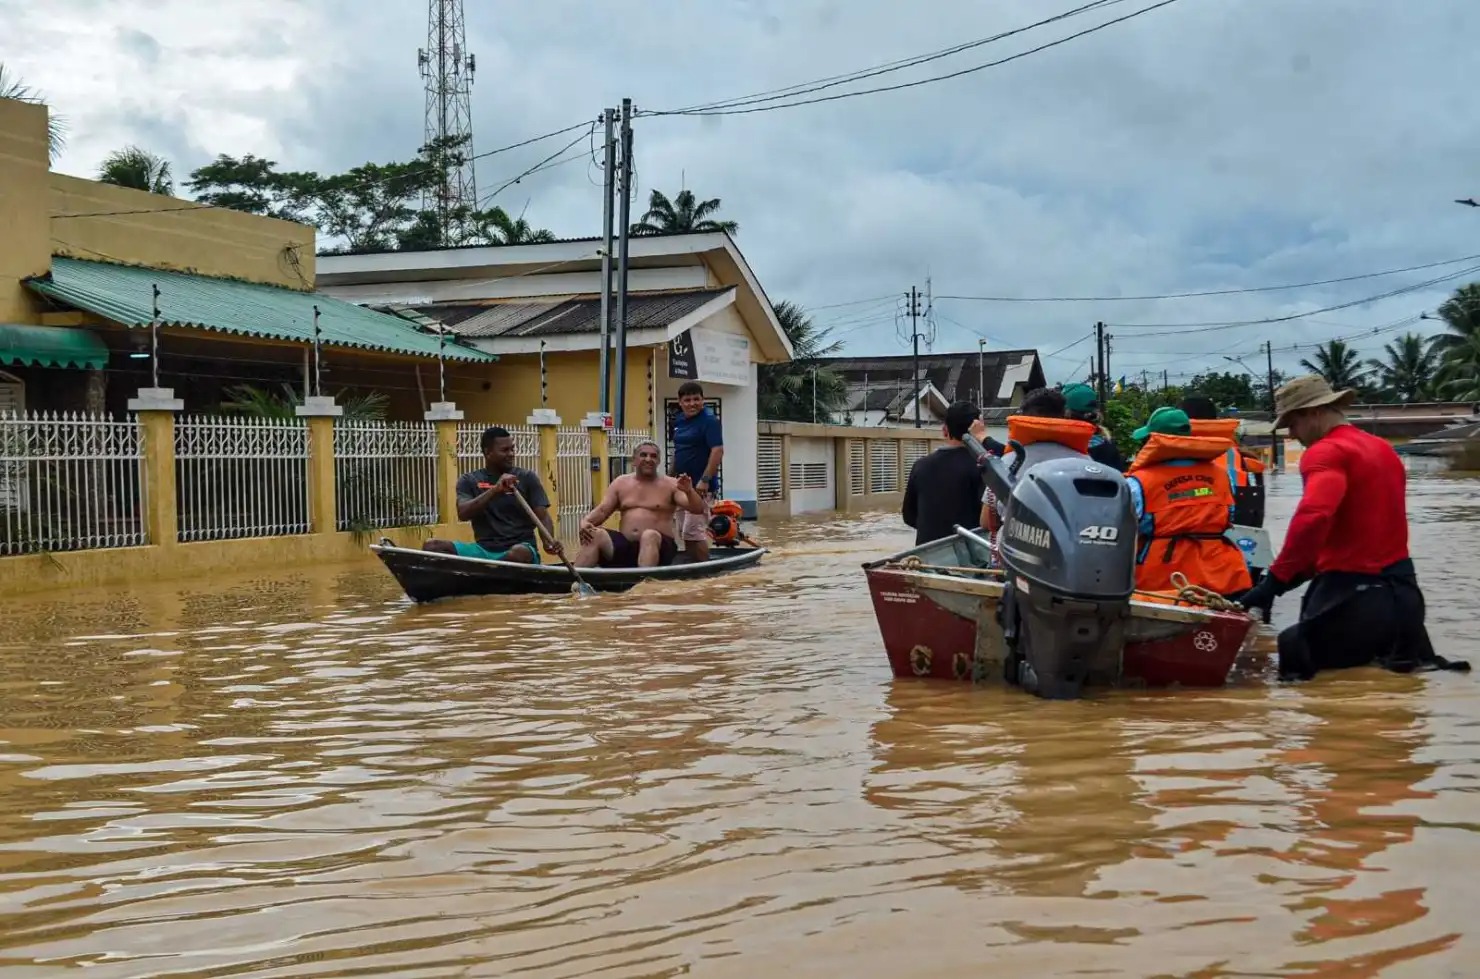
{"x": 1349, "y": 619}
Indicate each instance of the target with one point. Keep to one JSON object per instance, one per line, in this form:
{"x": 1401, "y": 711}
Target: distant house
{"x": 881, "y": 391}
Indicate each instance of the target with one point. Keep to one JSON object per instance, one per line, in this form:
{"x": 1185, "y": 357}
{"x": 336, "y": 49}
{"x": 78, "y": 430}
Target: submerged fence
{"x": 72, "y": 481}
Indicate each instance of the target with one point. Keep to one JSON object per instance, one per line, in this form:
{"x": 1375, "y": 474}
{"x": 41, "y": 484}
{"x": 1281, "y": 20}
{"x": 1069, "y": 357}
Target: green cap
{"x": 1164, "y": 421}
{"x": 1079, "y": 397}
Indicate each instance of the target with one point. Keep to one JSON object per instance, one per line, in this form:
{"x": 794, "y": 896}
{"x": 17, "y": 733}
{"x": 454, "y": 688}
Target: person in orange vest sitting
{"x": 1184, "y": 504}
{"x": 1042, "y": 432}
{"x": 1246, "y": 471}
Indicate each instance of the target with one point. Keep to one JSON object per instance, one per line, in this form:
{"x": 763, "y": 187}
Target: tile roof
{"x": 955, "y": 375}
{"x": 554, "y": 317}
{"x": 123, "y": 294}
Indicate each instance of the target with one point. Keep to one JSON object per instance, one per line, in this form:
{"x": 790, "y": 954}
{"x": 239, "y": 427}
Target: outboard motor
{"x": 1068, "y": 546}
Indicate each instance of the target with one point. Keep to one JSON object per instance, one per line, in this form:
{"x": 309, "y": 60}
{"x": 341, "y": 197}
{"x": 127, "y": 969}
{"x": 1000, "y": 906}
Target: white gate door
{"x": 12, "y": 470}
{"x": 812, "y": 485}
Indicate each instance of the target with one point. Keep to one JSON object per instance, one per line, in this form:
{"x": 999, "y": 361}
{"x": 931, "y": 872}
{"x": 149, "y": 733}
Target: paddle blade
{"x": 582, "y": 590}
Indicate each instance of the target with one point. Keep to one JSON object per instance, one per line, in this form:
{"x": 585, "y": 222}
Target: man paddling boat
{"x": 648, "y": 502}
{"x": 1349, "y": 539}
{"x": 502, "y": 530}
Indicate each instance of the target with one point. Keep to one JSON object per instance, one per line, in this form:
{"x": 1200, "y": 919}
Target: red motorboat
{"x": 937, "y": 611}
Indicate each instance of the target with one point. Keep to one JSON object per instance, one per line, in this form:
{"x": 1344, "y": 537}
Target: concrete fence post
{"x": 156, "y": 408}
{"x": 595, "y": 425}
{"x": 444, "y": 416}
{"x": 320, "y": 411}
{"x": 546, "y": 421}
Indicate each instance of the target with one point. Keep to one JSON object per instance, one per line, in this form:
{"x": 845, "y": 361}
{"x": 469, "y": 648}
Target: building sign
{"x": 681, "y": 357}
{"x": 709, "y": 355}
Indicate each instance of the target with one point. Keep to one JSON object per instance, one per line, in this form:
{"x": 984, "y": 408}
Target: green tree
{"x": 1228, "y": 389}
{"x": 11, "y": 87}
{"x": 1127, "y": 411}
{"x": 373, "y": 207}
{"x": 1339, "y": 364}
{"x": 786, "y": 390}
{"x": 1457, "y": 349}
{"x": 139, "y": 169}
{"x": 1407, "y": 371}
{"x": 683, "y": 213}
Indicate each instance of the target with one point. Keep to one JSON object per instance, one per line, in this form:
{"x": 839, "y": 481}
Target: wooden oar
{"x": 582, "y": 589}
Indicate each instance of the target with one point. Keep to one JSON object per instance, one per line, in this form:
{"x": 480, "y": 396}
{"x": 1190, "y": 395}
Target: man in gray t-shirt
{"x": 502, "y": 531}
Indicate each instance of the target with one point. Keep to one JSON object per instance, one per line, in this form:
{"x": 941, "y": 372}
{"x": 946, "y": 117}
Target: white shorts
{"x": 695, "y": 526}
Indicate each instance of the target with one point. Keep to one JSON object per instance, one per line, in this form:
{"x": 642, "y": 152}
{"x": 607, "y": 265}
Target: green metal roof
{"x": 51, "y": 346}
{"x": 123, "y": 293}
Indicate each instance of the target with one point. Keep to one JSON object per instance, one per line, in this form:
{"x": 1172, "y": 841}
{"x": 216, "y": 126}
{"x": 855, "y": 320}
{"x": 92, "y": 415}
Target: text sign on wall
{"x": 709, "y": 355}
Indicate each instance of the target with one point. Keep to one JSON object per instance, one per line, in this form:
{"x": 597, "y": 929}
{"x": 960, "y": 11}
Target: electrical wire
{"x": 913, "y": 84}
{"x": 1176, "y": 329}
{"x": 548, "y": 163}
{"x": 1213, "y": 292}
{"x": 831, "y": 81}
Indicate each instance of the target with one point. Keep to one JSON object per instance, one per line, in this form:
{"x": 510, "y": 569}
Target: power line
{"x": 1175, "y": 329}
{"x": 364, "y": 183}
{"x": 922, "y": 81}
{"x": 1212, "y": 292}
{"x": 831, "y": 81}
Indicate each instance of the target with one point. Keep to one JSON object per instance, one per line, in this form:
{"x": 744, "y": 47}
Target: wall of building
{"x": 518, "y": 287}
{"x": 169, "y": 233}
{"x": 867, "y": 468}
{"x": 571, "y": 387}
{"x": 25, "y": 247}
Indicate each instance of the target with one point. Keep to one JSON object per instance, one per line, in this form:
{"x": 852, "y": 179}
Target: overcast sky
{"x": 1210, "y": 144}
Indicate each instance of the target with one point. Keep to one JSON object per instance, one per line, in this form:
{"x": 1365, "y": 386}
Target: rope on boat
{"x": 1190, "y": 594}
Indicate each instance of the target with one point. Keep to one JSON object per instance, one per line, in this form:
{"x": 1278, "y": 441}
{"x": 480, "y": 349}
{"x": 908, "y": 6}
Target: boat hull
{"x": 942, "y": 623}
{"x": 427, "y": 576}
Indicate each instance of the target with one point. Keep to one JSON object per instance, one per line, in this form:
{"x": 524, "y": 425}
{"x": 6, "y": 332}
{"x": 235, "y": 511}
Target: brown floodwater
{"x": 304, "y": 775}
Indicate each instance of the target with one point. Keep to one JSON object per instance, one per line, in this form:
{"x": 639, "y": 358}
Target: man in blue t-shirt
{"x": 698, "y": 447}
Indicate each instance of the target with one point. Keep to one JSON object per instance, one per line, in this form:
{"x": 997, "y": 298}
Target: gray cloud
{"x": 1212, "y": 144}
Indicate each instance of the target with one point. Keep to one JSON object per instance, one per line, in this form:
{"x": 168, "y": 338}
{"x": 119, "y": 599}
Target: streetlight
{"x": 981, "y": 373}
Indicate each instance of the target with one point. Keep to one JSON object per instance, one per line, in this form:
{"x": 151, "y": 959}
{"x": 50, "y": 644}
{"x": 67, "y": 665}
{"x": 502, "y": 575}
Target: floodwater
{"x": 304, "y": 775}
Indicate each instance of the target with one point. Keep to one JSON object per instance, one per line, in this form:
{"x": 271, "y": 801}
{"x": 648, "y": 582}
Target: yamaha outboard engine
{"x": 1068, "y": 546}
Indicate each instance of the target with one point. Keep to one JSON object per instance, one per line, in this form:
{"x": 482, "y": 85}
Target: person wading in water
{"x": 1349, "y": 539}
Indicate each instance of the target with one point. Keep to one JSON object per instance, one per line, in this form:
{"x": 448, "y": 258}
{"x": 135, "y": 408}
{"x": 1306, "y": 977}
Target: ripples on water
{"x": 308, "y": 776}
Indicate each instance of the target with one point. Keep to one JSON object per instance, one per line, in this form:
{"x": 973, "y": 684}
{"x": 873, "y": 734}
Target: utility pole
{"x": 1101, "y": 349}
{"x": 1276, "y": 444}
{"x": 1163, "y": 380}
{"x": 624, "y": 187}
{"x": 609, "y": 120}
{"x": 915, "y": 339}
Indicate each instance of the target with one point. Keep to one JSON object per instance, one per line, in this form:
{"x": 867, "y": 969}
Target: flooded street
{"x": 305, "y": 775}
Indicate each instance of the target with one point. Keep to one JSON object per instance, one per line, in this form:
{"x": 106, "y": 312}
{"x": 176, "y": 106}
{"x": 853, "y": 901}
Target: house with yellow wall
{"x": 86, "y": 267}
{"x": 695, "y": 310}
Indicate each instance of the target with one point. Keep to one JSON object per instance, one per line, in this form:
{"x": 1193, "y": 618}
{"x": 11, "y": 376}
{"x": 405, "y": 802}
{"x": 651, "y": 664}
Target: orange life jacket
{"x": 1069, "y": 432}
{"x": 1187, "y": 502}
{"x": 1244, "y": 470}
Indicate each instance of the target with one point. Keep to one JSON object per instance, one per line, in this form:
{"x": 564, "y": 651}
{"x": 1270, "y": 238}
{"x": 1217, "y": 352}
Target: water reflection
{"x": 304, "y": 775}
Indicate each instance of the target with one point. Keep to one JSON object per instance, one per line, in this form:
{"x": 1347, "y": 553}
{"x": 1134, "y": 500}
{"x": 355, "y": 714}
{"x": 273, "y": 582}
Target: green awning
{"x": 51, "y": 346}
{"x": 125, "y": 294}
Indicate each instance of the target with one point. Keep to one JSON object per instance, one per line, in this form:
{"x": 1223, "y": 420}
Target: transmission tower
{"x": 447, "y": 69}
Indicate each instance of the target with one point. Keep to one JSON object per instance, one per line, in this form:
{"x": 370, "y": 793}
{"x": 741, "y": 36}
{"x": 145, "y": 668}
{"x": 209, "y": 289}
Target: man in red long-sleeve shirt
{"x": 1349, "y": 539}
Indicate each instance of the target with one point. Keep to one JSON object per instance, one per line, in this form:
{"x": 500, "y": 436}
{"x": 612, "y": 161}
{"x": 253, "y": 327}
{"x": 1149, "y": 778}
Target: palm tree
{"x": 683, "y": 213}
{"x": 1339, "y": 364}
{"x": 786, "y": 390}
{"x": 496, "y": 227}
{"x": 1458, "y": 377}
{"x": 11, "y": 87}
{"x": 1407, "y": 372}
{"x": 139, "y": 169}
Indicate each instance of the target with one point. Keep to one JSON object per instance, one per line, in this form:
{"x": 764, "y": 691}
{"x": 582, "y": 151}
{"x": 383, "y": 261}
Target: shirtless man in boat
{"x": 647, "y": 501}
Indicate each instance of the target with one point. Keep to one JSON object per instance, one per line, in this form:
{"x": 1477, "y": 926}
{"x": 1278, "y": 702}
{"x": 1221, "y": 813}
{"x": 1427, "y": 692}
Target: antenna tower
{"x": 447, "y": 69}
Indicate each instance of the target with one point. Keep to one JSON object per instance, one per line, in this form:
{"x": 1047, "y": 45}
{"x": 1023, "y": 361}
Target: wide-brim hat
{"x": 1308, "y": 391}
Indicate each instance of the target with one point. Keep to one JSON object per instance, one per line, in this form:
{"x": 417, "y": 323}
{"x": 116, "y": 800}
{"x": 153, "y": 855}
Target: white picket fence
{"x": 385, "y": 474}
{"x": 70, "y": 481}
{"x": 241, "y": 477}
